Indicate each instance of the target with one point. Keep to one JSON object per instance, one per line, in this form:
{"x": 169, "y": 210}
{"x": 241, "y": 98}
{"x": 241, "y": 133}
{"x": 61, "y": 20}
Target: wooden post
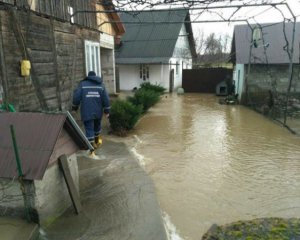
{"x": 63, "y": 163}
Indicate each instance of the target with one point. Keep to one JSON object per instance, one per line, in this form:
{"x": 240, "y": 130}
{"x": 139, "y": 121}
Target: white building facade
{"x": 167, "y": 75}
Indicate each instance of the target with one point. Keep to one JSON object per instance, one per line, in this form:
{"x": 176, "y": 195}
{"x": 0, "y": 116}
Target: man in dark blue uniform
{"x": 93, "y": 98}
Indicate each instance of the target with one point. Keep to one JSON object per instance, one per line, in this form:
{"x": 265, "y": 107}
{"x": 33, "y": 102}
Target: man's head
{"x": 91, "y": 74}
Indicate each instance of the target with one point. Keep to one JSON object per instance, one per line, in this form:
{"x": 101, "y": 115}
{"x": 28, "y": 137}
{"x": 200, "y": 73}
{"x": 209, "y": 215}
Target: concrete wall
{"x": 49, "y": 197}
{"x": 268, "y": 76}
{"x": 52, "y": 196}
{"x": 11, "y": 199}
{"x": 268, "y": 87}
{"x": 108, "y": 69}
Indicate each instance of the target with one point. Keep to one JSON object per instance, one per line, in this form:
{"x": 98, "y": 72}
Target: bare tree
{"x": 212, "y": 49}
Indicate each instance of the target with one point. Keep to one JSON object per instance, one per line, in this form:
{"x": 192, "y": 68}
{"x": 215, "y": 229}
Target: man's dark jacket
{"x": 92, "y": 97}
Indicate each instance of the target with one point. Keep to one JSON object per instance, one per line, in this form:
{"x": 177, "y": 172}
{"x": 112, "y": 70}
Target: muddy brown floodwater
{"x": 189, "y": 163}
{"x": 214, "y": 163}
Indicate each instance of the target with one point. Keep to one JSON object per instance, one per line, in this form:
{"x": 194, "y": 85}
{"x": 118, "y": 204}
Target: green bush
{"x": 145, "y": 98}
{"x": 123, "y": 116}
{"x": 155, "y": 88}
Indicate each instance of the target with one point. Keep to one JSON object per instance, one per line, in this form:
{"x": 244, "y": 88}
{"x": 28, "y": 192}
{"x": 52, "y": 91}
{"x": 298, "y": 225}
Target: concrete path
{"x": 118, "y": 201}
{"x": 17, "y": 229}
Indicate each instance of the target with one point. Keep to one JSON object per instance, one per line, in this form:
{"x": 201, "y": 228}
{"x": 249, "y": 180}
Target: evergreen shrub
{"x": 152, "y": 87}
{"x": 123, "y": 116}
{"x": 145, "y": 98}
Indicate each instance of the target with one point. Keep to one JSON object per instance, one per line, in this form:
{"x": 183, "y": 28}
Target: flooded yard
{"x": 200, "y": 163}
{"x": 214, "y": 163}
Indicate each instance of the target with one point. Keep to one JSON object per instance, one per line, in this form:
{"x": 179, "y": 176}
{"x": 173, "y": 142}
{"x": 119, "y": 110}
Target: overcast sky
{"x": 262, "y": 14}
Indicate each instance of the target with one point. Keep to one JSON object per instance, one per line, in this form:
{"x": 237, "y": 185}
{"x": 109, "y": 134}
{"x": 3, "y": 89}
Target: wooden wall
{"x": 59, "y": 9}
{"x": 56, "y": 52}
{"x": 103, "y": 21}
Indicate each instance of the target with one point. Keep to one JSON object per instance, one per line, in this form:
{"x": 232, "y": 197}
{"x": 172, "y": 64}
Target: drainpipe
{"x": 20, "y": 174}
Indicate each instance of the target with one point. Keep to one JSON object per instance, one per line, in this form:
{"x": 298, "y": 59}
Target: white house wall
{"x": 177, "y": 75}
{"x": 181, "y": 56}
{"x": 238, "y": 77}
{"x": 129, "y": 76}
{"x": 160, "y": 75}
{"x": 182, "y": 47}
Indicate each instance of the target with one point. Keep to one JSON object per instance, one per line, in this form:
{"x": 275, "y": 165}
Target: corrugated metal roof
{"x": 36, "y": 136}
{"x": 150, "y": 40}
{"x": 273, "y": 34}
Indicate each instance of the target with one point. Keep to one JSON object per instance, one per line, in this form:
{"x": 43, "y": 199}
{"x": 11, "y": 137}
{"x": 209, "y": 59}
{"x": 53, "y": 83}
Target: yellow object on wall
{"x": 25, "y": 68}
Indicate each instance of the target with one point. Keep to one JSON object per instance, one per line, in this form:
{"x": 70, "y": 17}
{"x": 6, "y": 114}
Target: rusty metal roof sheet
{"x": 36, "y": 136}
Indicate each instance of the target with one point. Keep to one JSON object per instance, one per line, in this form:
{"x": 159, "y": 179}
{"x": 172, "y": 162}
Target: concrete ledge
{"x": 16, "y": 229}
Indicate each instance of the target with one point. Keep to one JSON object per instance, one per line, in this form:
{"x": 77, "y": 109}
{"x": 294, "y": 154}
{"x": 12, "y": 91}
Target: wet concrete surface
{"x": 16, "y": 229}
{"x": 118, "y": 200}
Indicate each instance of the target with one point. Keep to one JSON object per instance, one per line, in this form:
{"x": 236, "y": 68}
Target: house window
{"x": 71, "y": 11}
{"x": 92, "y": 57}
{"x": 144, "y": 72}
{"x": 177, "y": 68}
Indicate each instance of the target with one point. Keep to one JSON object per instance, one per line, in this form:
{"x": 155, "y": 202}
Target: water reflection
{"x": 214, "y": 163}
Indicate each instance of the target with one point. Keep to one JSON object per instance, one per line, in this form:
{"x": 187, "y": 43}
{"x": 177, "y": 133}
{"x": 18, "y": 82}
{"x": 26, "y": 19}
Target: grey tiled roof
{"x": 273, "y": 35}
{"x": 146, "y": 40}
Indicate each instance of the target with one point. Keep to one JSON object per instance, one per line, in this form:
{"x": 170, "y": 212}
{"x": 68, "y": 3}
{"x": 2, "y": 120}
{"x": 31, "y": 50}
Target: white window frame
{"x": 92, "y": 57}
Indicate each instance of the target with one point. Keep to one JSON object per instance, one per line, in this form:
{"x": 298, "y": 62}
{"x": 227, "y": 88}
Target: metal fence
{"x": 272, "y": 93}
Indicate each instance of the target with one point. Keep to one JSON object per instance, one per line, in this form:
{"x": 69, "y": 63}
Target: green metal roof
{"x": 150, "y": 36}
